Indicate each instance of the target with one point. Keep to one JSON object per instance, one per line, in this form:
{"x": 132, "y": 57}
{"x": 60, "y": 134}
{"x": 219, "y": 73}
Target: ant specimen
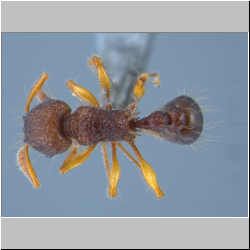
{"x": 52, "y": 129}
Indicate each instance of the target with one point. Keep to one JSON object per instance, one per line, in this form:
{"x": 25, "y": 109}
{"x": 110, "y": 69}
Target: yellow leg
{"x": 26, "y": 166}
{"x": 72, "y": 153}
{"x": 103, "y": 77}
{"x": 35, "y": 89}
{"x": 82, "y": 93}
{"x": 128, "y": 154}
{"x": 115, "y": 173}
{"x": 77, "y": 159}
{"x": 105, "y": 157}
{"x": 147, "y": 172}
{"x": 139, "y": 89}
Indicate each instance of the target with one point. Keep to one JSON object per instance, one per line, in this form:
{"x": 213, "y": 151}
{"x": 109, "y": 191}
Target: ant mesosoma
{"x": 52, "y": 129}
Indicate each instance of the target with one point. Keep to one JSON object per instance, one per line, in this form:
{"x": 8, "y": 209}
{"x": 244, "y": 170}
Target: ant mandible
{"x": 52, "y": 129}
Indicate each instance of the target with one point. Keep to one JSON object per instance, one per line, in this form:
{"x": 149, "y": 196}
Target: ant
{"x": 52, "y": 129}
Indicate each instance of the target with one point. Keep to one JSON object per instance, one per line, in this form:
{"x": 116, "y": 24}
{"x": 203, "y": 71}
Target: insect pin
{"x": 51, "y": 128}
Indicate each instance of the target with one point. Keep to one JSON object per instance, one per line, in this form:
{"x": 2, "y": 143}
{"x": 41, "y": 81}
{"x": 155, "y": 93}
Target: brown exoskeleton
{"x": 52, "y": 129}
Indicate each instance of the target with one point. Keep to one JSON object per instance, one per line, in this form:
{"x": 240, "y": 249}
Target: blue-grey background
{"x": 213, "y": 182}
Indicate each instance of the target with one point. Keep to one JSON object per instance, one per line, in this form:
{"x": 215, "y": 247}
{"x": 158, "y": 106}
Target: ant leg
{"x": 76, "y": 160}
{"x": 147, "y": 172}
{"x": 103, "y": 77}
{"x": 26, "y": 166}
{"x": 128, "y": 154}
{"x": 37, "y": 89}
{"x": 23, "y": 154}
{"x": 105, "y": 157}
{"x": 82, "y": 93}
{"x": 114, "y": 173}
{"x": 72, "y": 153}
{"x": 139, "y": 90}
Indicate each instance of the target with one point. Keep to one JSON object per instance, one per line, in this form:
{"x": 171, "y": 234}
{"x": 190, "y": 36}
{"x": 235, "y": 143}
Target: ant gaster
{"x": 52, "y": 129}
